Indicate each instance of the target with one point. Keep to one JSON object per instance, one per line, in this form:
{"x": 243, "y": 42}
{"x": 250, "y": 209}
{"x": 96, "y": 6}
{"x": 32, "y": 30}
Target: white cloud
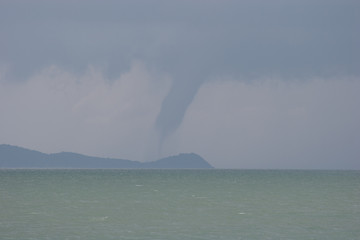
{"x": 60, "y": 111}
{"x": 274, "y": 124}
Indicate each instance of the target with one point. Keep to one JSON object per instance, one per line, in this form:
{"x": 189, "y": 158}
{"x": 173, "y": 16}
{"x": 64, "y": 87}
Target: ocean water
{"x": 179, "y": 204}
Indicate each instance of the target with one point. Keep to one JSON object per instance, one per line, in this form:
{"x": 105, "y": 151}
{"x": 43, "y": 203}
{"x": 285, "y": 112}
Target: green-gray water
{"x": 179, "y": 204}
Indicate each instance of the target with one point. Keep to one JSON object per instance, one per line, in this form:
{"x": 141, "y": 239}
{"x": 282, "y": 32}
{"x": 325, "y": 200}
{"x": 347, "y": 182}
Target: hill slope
{"x": 17, "y": 157}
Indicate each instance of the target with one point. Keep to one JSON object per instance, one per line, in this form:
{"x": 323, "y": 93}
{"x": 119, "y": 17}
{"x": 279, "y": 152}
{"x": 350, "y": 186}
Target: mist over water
{"x": 179, "y": 204}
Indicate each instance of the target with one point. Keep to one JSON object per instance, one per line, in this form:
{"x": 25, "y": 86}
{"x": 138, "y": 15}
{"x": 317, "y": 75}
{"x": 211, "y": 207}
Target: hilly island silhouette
{"x": 18, "y": 157}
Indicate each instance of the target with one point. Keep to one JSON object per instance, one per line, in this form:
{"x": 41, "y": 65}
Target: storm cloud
{"x": 175, "y": 49}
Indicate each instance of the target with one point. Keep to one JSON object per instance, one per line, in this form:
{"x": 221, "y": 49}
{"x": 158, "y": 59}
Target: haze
{"x": 244, "y": 84}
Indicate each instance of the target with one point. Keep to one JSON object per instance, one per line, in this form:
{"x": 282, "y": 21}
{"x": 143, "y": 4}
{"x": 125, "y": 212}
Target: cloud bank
{"x": 272, "y": 123}
{"x": 233, "y": 123}
{"x": 59, "y": 111}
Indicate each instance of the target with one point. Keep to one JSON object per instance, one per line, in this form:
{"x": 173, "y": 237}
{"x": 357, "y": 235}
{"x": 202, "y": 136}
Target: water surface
{"x": 179, "y": 204}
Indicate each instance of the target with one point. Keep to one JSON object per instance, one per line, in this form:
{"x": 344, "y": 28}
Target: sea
{"x": 179, "y": 204}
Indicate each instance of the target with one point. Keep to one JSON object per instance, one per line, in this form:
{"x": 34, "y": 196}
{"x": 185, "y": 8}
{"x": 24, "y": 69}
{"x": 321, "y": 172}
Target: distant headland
{"x": 18, "y": 157}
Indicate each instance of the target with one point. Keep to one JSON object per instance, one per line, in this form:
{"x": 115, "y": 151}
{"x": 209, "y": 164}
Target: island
{"x": 18, "y": 157}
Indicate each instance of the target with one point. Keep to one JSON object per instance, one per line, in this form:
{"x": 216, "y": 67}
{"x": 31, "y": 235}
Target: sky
{"x": 245, "y": 84}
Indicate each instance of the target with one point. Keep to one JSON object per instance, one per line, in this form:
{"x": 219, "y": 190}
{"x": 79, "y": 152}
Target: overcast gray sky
{"x": 245, "y": 84}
